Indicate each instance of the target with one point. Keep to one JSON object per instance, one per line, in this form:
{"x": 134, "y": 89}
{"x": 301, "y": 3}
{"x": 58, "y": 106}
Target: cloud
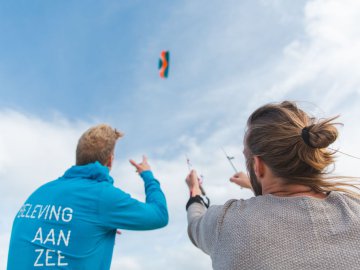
{"x": 321, "y": 65}
{"x": 130, "y": 263}
{"x": 40, "y": 148}
{"x": 182, "y": 256}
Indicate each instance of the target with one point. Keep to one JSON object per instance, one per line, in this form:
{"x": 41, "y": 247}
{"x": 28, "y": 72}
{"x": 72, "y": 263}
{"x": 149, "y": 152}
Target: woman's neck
{"x": 278, "y": 188}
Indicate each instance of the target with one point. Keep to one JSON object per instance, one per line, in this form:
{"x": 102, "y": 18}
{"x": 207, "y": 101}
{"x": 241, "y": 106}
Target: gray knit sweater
{"x": 270, "y": 232}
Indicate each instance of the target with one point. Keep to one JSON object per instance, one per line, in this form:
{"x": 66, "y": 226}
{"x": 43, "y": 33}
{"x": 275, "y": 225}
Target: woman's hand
{"x": 241, "y": 179}
{"x": 192, "y": 180}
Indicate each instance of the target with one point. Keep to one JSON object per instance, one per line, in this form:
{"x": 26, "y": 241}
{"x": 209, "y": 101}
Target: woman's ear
{"x": 259, "y": 167}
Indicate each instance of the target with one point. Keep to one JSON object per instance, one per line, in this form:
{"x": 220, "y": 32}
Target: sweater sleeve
{"x": 203, "y": 225}
{"x": 118, "y": 210}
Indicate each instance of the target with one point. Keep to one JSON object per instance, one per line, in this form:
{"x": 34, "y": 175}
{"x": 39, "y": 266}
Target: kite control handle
{"x": 202, "y": 189}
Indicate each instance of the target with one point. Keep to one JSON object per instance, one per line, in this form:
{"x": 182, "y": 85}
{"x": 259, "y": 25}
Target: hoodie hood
{"x": 95, "y": 171}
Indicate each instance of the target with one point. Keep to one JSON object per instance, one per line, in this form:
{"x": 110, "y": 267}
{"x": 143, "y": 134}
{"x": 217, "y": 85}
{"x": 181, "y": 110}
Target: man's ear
{"x": 110, "y": 161}
{"x": 259, "y": 168}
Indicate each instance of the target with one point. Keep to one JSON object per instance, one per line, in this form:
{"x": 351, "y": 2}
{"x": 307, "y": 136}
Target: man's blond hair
{"x": 97, "y": 144}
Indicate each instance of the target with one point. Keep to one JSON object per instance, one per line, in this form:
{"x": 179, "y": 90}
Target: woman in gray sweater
{"x": 300, "y": 218}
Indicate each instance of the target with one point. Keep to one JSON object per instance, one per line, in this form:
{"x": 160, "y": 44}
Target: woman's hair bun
{"x": 322, "y": 133}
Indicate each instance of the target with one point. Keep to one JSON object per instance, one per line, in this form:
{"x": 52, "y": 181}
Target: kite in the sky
{"x": 164, "y": 64}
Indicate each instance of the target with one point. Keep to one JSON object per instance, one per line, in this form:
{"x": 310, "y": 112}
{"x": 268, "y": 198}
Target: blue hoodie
{"x": 71, "y": 223}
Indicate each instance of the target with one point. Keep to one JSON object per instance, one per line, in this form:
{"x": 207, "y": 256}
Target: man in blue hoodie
{"x": 71, "y": 223}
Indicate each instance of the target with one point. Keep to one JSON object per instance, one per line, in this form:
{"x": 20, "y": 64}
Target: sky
{"x": 68, "y": 65}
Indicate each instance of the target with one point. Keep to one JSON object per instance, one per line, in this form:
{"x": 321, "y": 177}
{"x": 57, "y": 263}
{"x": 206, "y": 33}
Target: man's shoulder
{"x": 68, "y": 187}
{"x": 44, "y": 188}
{"x": 111, "y": 192}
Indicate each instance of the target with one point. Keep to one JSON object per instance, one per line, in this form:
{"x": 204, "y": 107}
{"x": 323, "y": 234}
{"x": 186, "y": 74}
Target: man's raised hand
{"x": 141, "y": 167}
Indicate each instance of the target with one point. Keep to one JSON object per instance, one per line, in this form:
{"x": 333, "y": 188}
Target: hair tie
{"x": 306, "y": 136}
